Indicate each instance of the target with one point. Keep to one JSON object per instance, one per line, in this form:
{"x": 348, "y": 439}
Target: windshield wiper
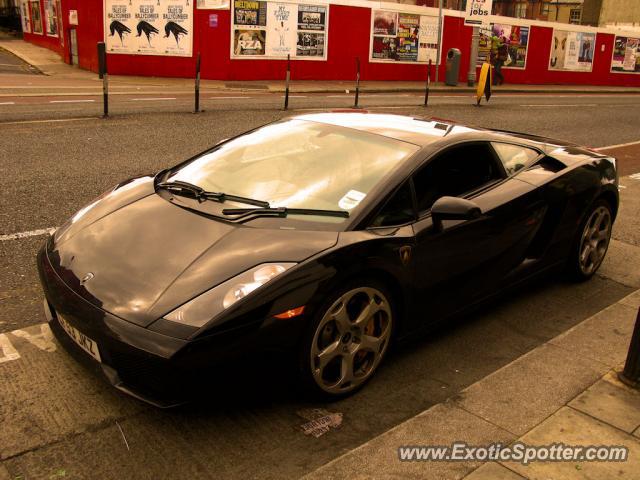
{"x": 202, "y": 195}
{"x": 246, "y": 213}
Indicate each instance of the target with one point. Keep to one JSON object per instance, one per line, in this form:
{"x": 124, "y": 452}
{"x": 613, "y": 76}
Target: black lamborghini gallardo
{"x": 327, "y": 235}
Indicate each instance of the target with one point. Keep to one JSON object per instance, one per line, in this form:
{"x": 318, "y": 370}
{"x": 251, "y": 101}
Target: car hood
{"x": 138, "y": 256}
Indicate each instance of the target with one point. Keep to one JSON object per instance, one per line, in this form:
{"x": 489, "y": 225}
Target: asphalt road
{"x": 59, "y": 419}
{"x": 559, "y": 115}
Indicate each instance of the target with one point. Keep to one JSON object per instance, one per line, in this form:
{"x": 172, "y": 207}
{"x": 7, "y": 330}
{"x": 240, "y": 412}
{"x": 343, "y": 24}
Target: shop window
{"x": 36, "y": 16}
{"x": 51, "y": 18}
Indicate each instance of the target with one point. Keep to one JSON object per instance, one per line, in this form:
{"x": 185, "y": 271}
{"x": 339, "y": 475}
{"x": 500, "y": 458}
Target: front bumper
{"x": 156, "y": 368}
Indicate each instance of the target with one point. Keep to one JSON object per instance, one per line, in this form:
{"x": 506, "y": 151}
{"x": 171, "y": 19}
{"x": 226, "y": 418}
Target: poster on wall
{"x": 516, "y": 38}
{"x": 273, "y": 30}
{"x": 51, "y": 18}
{"x": 149, "y": 27}
{"x": 403, "y": 37}
{"x": 282, "y": 29}
{"x": 252, "y": 13}
{"x": 626, "y": 55}
{"x": 572, "y": 51}
{"x": 24, "y": 16}
{"x": 36, "y": 17}
{"x": 213, "y": 4}
{"x": 249, "y": 42}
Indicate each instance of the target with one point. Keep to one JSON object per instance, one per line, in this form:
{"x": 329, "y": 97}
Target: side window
{"x": 454, "y": 173}
{"x": 398, "y": 209}
{"x": 514, "y": 157}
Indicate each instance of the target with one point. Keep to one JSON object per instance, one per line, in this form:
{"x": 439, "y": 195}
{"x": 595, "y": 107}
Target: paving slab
{"x": 525, "y": 392}
{"x": 493, "y": 471}
{"x": 632, "y": 300}
{"x": 571, "y": 427}
{"x": 616, "y": 264}
{"x": 441, "y": 425}
{"x": 612, "y": 402}
{"x": 603, "y": 337}
{"x": 46, "y": 395}
{"x": 627, "y": 226}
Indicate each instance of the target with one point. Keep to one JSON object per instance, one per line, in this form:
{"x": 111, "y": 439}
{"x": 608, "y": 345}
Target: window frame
{"x": 417, "y": 216}
{"x": 520, "y": 10}
{"x": 382, "y": 204}
{"x": 515, "y": 144}
{"x": 578, "y": 18}
{"x": 470, "y": 194}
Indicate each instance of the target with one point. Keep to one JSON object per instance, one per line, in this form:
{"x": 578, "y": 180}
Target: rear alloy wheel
{"x": 350, "y": 340}
{"x": 593, "y": 241}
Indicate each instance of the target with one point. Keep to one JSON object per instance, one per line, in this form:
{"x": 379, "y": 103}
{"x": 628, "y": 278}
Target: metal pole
{"x": 102, "y": 69}
{"x": 426, "y": 91}
{"x": 357, "y": 83}
{"x": 439, "y": 38}
{"x": 105, "y": 94}
{"x": 197, "y": 85}
{"x": 288, "y": 79}
{"x": 471, "y": 75}
{"x": 631, "y": 373}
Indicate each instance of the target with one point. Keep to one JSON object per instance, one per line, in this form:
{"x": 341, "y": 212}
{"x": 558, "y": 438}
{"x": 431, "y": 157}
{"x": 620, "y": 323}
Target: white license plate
{"x": 81, "y": 339}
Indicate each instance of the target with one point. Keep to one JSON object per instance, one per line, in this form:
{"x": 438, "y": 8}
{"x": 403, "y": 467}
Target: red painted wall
{"x": 43, "y": 40}
{"x": 349, "y": 34}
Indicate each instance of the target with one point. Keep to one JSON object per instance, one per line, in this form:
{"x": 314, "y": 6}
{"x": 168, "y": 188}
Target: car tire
{"x": 347, "y": 339}
{"x": 591, "y": 241}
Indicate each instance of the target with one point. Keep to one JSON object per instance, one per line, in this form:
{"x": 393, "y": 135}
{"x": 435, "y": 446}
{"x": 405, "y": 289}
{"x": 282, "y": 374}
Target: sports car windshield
{"x": 298, "y": 164}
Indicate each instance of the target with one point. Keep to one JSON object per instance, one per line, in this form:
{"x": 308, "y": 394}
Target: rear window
{"x": 514, "y": 157}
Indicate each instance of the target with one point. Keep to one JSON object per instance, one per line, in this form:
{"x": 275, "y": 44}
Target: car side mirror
{"x": 453, "y": 208}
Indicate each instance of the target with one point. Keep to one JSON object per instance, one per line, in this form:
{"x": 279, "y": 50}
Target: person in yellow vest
{"x": 499, "y": 54}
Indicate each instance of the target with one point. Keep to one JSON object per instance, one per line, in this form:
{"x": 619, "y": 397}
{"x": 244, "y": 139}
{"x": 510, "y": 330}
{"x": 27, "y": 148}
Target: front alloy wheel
{"x": 350, "y": 340}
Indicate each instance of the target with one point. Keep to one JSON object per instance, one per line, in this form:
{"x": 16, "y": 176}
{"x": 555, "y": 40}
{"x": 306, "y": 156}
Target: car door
{"x": 465, "y": 261}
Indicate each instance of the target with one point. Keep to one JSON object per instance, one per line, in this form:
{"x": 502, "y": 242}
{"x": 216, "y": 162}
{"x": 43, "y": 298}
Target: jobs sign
{"x": 478, "y": 12}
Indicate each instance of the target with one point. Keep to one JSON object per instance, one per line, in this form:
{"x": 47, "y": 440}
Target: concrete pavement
{"x": 564, "y": 391}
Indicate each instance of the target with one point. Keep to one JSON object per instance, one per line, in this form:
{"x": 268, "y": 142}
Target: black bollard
{"x": 426, "y": 91}
{"x": 631, "y": 373}
{"x": 102, "y": 71}
{"x": 197, "y": 85}
{"x": 287, "y": 79}
{"x": 355, "y": 105}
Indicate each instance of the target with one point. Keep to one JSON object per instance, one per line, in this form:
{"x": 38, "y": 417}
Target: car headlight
{"x": 203, "y": 308}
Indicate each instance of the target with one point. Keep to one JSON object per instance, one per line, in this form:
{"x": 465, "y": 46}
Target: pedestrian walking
{"x": 500, "y": 54}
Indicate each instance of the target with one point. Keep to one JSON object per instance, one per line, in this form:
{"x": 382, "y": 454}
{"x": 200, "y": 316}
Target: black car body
{"x": 454, "y": 222}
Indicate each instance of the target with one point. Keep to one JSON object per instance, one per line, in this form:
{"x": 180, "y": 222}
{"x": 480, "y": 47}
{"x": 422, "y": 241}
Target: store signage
{"x": 478, "y": 12}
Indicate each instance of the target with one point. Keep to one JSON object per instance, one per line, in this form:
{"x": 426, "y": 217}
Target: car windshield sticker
{"x": 351, "y": 199}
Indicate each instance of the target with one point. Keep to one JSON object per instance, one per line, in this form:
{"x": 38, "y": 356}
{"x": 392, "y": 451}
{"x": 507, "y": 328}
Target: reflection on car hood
{"x": 148, "y": 256}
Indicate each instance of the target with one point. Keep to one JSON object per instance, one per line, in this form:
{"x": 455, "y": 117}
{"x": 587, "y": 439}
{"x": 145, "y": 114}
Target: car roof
{"x": 421, "y": 131}
{"x": 407, "y": 129}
